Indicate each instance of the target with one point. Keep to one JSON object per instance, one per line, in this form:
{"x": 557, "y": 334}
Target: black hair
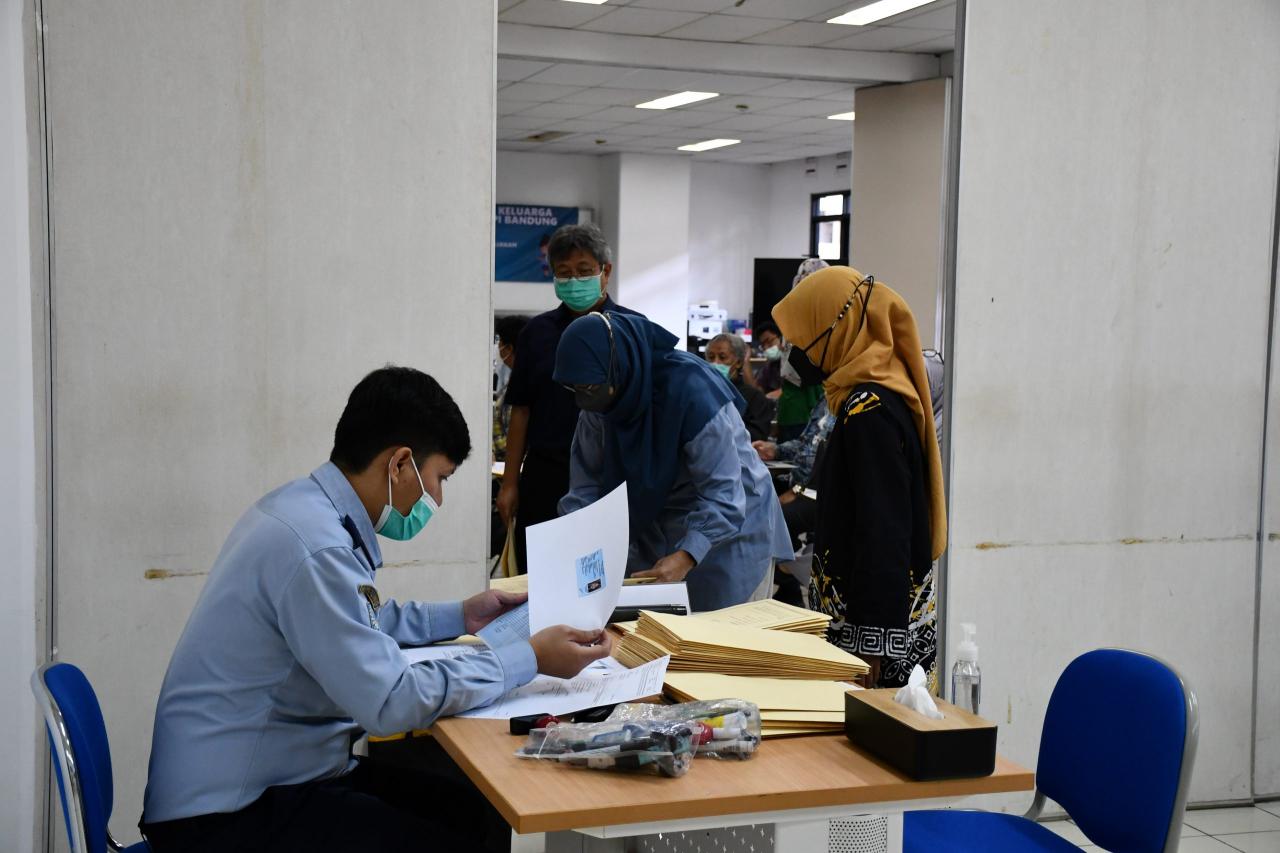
{"x": 589, "y": 238}
{"x": 398, "y": 407}
{"x": 768, "y": 326}
{"x": 508, "y": 328}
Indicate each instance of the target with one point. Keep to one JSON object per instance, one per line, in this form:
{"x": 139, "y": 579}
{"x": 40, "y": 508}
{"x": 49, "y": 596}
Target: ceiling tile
{"x": 787, "y": 10}
{"x": 551, "y": 13}
{"x": 606, "y": 97}
{"x": 802, "y": 89}
{"x": 559, "y": 110}
{"x": 748, "y": 122}
{"x": 511, "y": 70}
{"x": 932, "y": 17}
{"x": 630, "y": 114}
{"x": 630, "y": 21}
{"x": 525, "y": 123}
{"x": 657, "y": 78}
{"x": 802, "y": 126}
{"x": 634, "y": 131}
{"x": 584, "y": 125}
{"x": 811, "y": 108}
{"x": 504, "y": 5}
{"x": 753, "y": 102}
{"x": 535, "y": 92}
{"x": 733, "y": 84}
{"x": 801, "y": 34}
{"x": 574, "y": 74}
{"x": 886, "y": 38}
{"x": 723, "y": 28}
{"x": 689, "y": 118}
{"x": 939, "y": 45}
{"x": 685, "y": 5}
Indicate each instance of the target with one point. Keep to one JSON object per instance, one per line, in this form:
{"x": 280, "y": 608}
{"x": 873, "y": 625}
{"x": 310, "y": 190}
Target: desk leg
{"x": 576, "y": 842}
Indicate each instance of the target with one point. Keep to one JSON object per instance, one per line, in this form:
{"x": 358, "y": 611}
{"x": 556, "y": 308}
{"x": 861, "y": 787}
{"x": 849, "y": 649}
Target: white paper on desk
{"x": 576, "y": 564}
{"x": 510, "y": 627}
{"x": 650, "y": 594}
{"x": 547, "y": 695}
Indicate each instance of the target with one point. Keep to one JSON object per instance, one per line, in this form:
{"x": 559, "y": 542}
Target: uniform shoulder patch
{"x": 372, "y": 603}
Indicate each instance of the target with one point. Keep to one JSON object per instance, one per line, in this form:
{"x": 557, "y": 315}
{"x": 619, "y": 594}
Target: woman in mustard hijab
{"x": 881, "y": 517}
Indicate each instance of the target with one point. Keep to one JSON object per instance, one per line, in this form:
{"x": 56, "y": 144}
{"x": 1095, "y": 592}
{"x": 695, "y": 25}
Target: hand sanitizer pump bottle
{"x": 966, "y": 678}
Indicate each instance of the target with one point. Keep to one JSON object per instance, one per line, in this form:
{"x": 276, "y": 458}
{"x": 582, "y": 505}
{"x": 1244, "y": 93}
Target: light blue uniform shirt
{"x": 722, "y": 509}
{"x": 284, "y": 660}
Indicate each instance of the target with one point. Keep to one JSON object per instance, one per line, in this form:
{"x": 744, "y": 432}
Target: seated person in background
{"x": 769, "y": 376}
{"x": 797, "y": 399}
{"x": 662, "y": 421}
{"x": 289, "y": 655}
{"x": 728, "y": 355}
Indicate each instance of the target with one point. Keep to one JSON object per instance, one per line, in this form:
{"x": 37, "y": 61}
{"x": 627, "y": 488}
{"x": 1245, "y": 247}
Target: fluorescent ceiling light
{"x": 679, "y": 99}
{"x": 842, "y": 116}
{"x": 878, "y": 11}
{"x": 709, "y": 144}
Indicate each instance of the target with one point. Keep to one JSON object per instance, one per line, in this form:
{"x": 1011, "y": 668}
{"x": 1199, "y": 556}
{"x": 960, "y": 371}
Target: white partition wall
{"x": 254, "y": 204}
{"x": 1266, "y": 769}
{"x": 898, "y": 171}
{"x": 1117, "y": 192}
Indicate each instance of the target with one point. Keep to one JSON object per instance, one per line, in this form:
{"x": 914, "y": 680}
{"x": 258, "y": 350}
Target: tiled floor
{"x": 1248, "y": 829}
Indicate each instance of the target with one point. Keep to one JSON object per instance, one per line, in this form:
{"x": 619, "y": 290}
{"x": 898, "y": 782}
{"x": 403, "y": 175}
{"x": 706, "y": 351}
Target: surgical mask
{"x": 578, "y": 294}
{"x": 393, "y": 525}
{"x": 593, "y": 398}
{"x": 722, "y": 369}
{"x": 773, "y": 353}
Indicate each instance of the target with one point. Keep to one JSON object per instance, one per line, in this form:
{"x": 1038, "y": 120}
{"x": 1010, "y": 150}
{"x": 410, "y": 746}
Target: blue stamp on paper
{"x": 591, "y": 573}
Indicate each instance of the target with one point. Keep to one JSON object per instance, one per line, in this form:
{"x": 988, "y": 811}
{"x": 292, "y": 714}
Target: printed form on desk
{"x": 603, "y": 683}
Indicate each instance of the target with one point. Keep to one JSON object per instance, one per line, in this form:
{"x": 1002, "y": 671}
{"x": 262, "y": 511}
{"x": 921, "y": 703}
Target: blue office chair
{"x": 1116, "y": 752}
{"x": 82, "y": 759}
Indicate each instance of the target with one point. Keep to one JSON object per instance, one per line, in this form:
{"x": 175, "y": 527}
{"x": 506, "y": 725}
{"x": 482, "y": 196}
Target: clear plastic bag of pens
{"x": 725, "y": 728}
{"x": 662, "y": 746}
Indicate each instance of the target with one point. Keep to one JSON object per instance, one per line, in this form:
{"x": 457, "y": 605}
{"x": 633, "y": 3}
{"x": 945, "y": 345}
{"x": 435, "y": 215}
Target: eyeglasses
{"x": 581, "y": 273}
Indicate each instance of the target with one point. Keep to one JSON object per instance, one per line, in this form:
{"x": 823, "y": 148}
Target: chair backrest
{"x": 1117, "y": 748}
{"x": 78, "y": 739}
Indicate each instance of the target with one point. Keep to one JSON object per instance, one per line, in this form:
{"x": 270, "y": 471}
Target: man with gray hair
{"x": 543, "y": 413}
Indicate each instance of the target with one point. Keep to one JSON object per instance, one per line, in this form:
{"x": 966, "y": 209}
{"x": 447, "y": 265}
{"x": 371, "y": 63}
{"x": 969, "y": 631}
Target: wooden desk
{"x": 799, "y": 779}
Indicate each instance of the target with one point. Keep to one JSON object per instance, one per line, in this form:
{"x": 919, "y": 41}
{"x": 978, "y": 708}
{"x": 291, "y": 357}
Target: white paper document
{"x": 595, "y": 685}
{"x": 576, "y": 564}
{"x": 650, "y": 594}
{"x": 510, "y": 627}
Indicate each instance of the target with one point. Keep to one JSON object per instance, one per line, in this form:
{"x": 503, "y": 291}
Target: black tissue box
{"x": 960, "y": 745}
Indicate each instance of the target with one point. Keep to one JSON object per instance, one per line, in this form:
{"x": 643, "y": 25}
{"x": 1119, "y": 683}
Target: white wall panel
{"x": 728, "y": 229}
{"x": 255, "y": 204}
{"x": 1117, "y": 182}
{"x": 896, "y": 230}
{"x": 1266, "y": 771}
{"x": 19, "y": 575}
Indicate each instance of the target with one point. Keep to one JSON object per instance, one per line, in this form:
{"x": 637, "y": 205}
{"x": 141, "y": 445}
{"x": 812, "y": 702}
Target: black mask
{"x": 593, "y": 398}
{"x": 809, "y": 373}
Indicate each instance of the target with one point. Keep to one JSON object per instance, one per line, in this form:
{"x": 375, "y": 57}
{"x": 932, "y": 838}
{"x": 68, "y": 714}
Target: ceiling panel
{"x": 510, "y": 70}
{"x": 928, "y": 17}
{"x": 586, "y": 125}
{"x": 607, "y": 97}
{"x": 802, "y": 89}
{"x": 790, "y": 10}
{"x": 685, "y": 5}
{"x": 887, "y": 38}
{"x": 801, "y": 34}
{"x": 554, "y": 110}
{"x": 748, "y": 122}
{"x": 656, "y": 78}
{"x": 640, "y": 22}
{"x": 811, "y": 108}
{"x": 730, "y": 103}
{"x": 939, "y": 45}
{"x": 535, "y": 91}
{"x": 551, "y": 13}
{"x": 723, "y": 28}
{"x": 574, "y": 74}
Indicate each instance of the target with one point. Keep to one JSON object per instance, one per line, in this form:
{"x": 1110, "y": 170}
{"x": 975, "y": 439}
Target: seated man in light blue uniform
{"x": 290, "y": 654}
{"x": 703, "y": 509}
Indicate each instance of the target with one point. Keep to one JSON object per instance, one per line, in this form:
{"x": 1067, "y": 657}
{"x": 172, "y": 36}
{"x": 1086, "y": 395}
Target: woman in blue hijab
{"x": 703, "y": 509}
